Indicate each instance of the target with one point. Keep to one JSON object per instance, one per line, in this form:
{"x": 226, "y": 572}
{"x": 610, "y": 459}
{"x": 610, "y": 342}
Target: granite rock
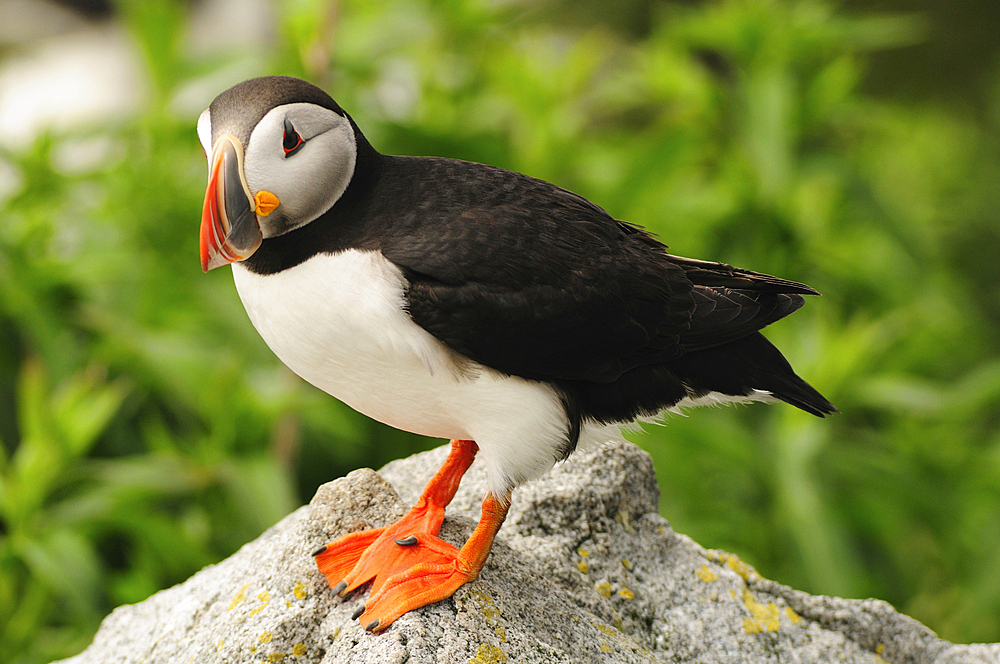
{"x": 584, "y": 570}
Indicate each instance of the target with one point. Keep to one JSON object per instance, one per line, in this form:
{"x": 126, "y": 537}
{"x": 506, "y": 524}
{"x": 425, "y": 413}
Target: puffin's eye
{"x": 291, "y": 142}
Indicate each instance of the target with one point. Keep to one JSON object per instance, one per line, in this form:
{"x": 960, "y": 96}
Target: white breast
{"x": 337, "y": 320}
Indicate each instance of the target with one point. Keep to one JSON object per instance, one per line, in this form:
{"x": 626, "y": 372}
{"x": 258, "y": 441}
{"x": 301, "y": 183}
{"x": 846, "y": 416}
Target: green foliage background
{"x": 147, "y": 431}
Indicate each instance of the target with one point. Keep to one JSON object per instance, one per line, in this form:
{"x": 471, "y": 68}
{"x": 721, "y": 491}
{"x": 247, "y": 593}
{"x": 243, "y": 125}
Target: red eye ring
{"x": 291, "y": 141}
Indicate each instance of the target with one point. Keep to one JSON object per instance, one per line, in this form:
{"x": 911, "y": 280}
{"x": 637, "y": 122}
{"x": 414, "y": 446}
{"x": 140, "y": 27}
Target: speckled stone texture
{"x": 584, "y": 570}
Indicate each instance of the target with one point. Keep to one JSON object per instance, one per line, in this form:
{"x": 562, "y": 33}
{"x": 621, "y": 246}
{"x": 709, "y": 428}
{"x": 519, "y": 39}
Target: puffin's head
{"x": 280, "y": 153}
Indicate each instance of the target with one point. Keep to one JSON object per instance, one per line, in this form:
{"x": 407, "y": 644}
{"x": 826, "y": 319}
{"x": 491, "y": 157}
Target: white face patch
{"x": 205, "y": 132}
{"x": 309, "y": 180}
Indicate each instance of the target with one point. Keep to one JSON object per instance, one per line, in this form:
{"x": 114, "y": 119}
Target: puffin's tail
{"x": 750, "y": 363}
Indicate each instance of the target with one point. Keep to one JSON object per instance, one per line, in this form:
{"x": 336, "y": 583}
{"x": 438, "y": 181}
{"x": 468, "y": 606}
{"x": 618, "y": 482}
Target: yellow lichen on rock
{"x": 490, "y": 612}
{"x": 734, "y": 563}
{"x": 604, "y": 629}
{"x": 763, "y": 617}
{"x": 604, "y": 588}
{"x": 739, "y": 567}
{"x": 265, "y": 599}
{"x": 489, "y": 609}
{"x": 706, "y": 574}
{"x": 239, "y": 597}
{"x": 488, "y": 654}
{"x": 607, "y": 631}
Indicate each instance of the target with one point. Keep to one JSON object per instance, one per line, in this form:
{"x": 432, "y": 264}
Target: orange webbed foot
{"x": 411, "y": 567}
{"x": 434, "y": 577}
{"x": 420, "y": 585}
{"x": 336, "y": 559}
{"x": 378, "y": 554}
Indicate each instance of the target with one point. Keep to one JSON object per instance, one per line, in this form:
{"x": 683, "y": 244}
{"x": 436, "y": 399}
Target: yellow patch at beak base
{"x": 265, "y": 202}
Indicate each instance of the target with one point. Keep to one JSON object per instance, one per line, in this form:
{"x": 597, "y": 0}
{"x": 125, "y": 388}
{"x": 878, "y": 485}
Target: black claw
{"x": 319, "y": 550}
{"x": 340, "y": 587}
{"x": 357, "y": 612}
{"x": 406, "y": 541}
{"x": 372, "y": 626}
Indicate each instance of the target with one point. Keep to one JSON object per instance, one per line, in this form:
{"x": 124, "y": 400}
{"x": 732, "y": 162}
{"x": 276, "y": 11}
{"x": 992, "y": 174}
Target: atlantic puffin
{"x": 462, "y": 301}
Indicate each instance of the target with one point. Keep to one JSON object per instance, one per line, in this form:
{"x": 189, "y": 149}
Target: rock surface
{"x": 584, "y": 570}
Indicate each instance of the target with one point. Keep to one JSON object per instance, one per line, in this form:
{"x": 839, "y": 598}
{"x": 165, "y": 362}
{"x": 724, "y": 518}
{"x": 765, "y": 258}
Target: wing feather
{"x": 535, "y": 281}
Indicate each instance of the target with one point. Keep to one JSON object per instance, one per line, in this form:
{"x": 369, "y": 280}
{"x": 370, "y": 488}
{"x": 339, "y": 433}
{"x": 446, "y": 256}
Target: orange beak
{"x": 229, "y": 227}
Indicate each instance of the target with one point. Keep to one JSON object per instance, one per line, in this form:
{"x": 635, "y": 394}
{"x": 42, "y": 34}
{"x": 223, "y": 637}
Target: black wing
{"x": 540, "y": 283}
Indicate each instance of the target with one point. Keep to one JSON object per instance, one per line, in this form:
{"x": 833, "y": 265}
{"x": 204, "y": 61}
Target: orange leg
{"x": 410, "y": 565}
